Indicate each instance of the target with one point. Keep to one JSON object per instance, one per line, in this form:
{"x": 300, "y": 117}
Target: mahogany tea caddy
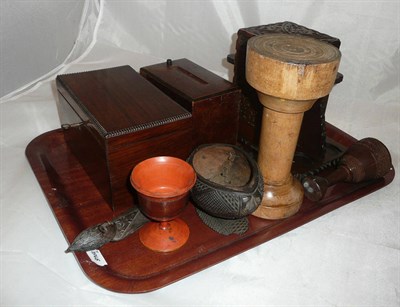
{"x": 113, "y": 119}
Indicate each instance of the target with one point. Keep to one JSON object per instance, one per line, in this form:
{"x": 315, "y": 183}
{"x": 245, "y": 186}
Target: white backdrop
{"x": 35, "y": 37}
{"x": 348, "y": 257}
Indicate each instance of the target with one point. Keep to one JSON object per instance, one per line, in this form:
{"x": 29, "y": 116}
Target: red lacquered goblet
{"x": 163, "y": 184}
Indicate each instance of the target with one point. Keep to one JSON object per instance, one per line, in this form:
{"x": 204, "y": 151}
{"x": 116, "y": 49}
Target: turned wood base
{"x": 283, "y": 194}
{"x": 280, "y": 201}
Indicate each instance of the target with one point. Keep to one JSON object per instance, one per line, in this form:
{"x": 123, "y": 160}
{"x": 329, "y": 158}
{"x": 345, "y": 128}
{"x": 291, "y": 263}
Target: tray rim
{"x": 103, "y": 277}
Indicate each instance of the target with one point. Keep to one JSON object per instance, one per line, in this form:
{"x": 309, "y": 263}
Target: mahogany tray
{"x": 132, "y": 268}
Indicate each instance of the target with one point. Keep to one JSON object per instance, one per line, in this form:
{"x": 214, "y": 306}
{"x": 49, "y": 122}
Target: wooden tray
{"x": 131, "y": 268}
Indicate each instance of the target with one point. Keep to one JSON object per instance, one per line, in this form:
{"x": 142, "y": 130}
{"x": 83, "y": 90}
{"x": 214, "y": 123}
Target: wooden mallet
{"x": 366, "y": 159}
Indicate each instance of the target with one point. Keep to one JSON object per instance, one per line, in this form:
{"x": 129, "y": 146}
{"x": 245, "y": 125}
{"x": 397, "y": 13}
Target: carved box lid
{"x": 118, "y": 101}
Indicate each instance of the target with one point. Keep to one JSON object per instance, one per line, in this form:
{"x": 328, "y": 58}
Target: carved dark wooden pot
{"x": 229, "y": 183}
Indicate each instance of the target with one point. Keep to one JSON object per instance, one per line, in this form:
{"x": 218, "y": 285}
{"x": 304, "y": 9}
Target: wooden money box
{"x": 213, "y": 101}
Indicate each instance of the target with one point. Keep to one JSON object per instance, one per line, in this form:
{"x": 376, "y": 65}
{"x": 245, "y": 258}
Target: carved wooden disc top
{"x": 291, "y": 66}
{"x": 222, "y": 165}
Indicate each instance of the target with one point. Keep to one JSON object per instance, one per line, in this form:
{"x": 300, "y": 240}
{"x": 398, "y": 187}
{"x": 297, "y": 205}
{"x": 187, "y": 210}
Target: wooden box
{"x": 213, "y": 101}
{"x": 114, "y": 118}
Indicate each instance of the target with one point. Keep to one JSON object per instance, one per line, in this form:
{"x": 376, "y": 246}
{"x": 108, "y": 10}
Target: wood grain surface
{"x": 131, "y": 268}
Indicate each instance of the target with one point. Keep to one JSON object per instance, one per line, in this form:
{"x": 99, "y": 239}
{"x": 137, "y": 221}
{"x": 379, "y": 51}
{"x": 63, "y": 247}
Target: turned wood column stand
{"x": 290, "y": 73}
